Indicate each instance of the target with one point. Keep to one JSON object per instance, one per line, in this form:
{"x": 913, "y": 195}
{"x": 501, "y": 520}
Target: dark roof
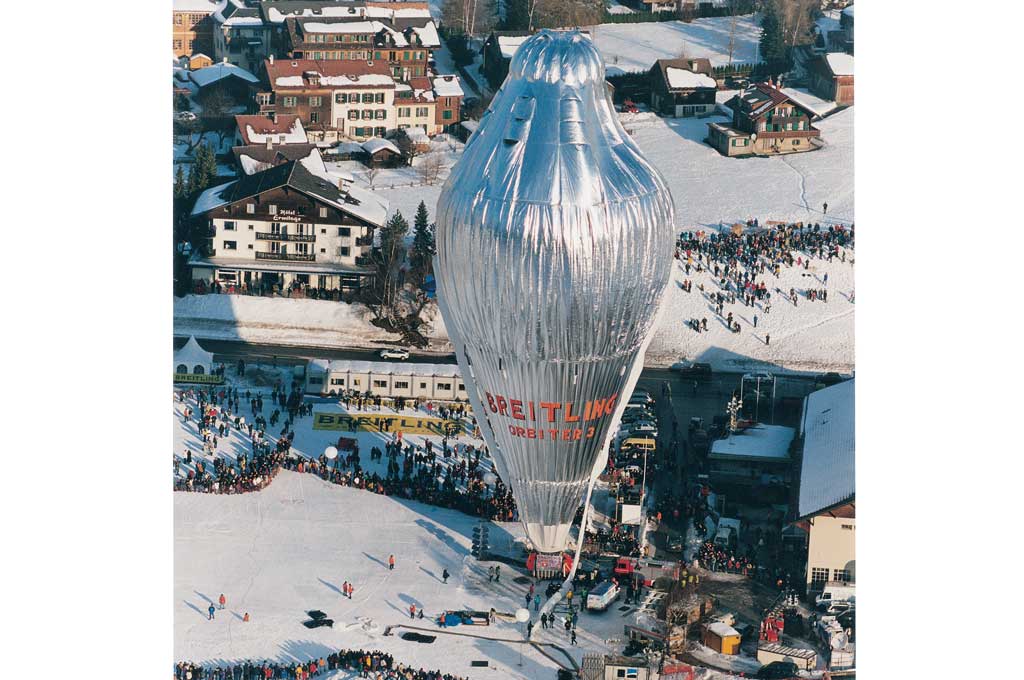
{"x": 276, "y": 155}
{"x": 698, "y": 65}
{"x": 289, "y": 6}
{"x": 761, "y": 97}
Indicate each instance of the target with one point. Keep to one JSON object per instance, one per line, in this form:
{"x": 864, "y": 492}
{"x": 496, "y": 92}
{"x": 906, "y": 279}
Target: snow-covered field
{"x": 635, "y": 47}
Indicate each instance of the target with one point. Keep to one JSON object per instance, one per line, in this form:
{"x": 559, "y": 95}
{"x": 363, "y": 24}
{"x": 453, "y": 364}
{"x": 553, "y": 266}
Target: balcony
{"x": 362, "y": 261}
{"x": 365, "y": 240}
{"x": 271, "y": 236}
{"x": 286, "y": 257}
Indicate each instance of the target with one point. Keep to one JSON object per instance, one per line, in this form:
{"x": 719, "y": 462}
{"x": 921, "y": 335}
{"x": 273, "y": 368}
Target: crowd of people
{"x": 413, "y": 471}
{"x": 369, "y": 664}
{"x": 741, "y": 261}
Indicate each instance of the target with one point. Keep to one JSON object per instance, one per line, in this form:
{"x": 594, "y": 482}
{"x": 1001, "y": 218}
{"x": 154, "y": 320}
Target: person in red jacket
{"x": 222, "y": 600}
{"x": 391, "y": 563}
{"x": 412, "y": 611}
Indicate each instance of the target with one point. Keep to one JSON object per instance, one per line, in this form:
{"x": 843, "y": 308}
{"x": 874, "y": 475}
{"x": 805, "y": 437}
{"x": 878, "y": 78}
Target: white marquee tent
{"x": 193, "y": 359}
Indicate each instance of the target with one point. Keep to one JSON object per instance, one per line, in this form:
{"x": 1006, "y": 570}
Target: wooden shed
{"x": 722, "y": 638}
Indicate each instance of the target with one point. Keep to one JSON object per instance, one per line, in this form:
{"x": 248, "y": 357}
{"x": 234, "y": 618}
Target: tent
{"x": 192, "y": 359}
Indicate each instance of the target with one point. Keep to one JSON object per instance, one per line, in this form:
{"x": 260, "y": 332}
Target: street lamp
{"x": 522, "y": 616}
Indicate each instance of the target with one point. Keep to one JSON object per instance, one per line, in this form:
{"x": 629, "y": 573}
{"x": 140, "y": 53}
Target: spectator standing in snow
{"x": 445, "y": 575}
{"x": 222, "y": 600}
{"x": 211, "y": 610}
{"x": 391, "y": 563}
{"x": 767, "y": 339}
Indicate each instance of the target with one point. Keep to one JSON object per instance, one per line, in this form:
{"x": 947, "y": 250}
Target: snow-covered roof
{"x": 293, "y": 134}
{"x": 722, "y": 629}
{"x": 211, "y": 74}
{"x": 392, "y": 368}
{"x": 277, "y": 16}
{"x": 681, "y": 78}
{"x": 195, "y": 5}
{"x": 427, "y": 33}
{"x": 211, "y": 198}
{"x": 375, "y": 144}
{"x": 226, "y": 8}
{"x": 338, "y": 81}
{"x": 760, "y": 442}
{"x": 417, "y": 134}
{"x": 840, "y": 63}
{"x": 192, "y": 354}
{"x": 448, "y": 86}
{"x": 508, "y": 44}
{"x": 827, "y": 473}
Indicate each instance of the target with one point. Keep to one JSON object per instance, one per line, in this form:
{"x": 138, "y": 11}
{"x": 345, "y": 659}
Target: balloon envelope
{"x": 555, "y": 240}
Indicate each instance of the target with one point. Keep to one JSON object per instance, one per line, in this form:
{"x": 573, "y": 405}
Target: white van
{"x": 601, "y": 597}
{"x": 836, "y": 592}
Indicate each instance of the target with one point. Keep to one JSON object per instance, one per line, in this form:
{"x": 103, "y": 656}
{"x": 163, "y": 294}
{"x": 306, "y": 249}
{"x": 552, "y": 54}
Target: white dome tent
{"x": 192, "y": 360}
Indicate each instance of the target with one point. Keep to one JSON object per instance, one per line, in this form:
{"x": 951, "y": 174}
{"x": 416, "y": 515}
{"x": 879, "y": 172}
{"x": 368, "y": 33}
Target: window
{"x": 379, "y": 98}
{"x": 367, "y": 97}
{"x": 314, "y": 101}
{"x": 422, "y": 111}
{"x": 323, "y": 211}
{"x": 250, "y": 247}
{"x": 288, "y": 102}
{"x": 230, "y": 245}
{"x": 380, "y": 114}
{"x": 847, "y": 527}
{"x": 177, "y": 44}
{"x": 423, "y": 385}
{"x": 263, "y": 98}
{"x": 323, "y": 231}
{"x": 404, "y": 112}
{"x": 272, "y": 208}
{"x": 380, "y": 131}
{"x": 840, "y": 574}
{"x": 447, "y": 114}
{"x": 367, "y": 114}
{"x": 250, "y": 208}
{"x": 819, "y": 576}
{"x": 323, "y": 251}
{"x": 302, "y": 278}
{"x": 796, "y": 142}
{"x": 358, "y": 132}
{"x": 182, "y": 368}
{"x": 338, "y": 381}
{"x": 353, "y": 115}
{"x": 462, "y": 388}
{"x": 177, "y": 20}
{"x": 190, "y": 44}
{"x": 198, "y": 369}
{"x": 340, "y": 98}
{"x": 380, "y": 383}
{"x": 405, "y": 56}
{"x": 344, "y": 231}
{"x": 314, "y": 116}
{"x": 444, "y": 386}
{"x": 401, "y": 385}
{"x": 229, "y": 226}
{"x": 355, "y": 382}
{"x": 344, "y": 251}
{"x": 321, "y": 281}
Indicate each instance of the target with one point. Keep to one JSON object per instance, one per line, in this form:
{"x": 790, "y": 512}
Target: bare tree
{"x": 430, "y": 167}
{"x": 216, "y": 107}
{"x": 372, "y": 172}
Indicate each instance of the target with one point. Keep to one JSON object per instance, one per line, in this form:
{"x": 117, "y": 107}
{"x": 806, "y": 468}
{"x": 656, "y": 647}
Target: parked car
{"x": 778, "y": 670}
{"x": 641, "y": 397}
{"x": 829, "y": 379}
{"x": 394, "y": 353}
{"x": 694, "y": 371}
{"x": 629, "y": 106}
{"x": 184, "y": 116}
{"x": 675, "y": 544}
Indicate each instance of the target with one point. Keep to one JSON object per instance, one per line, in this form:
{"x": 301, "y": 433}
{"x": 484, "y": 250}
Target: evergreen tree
{"x": 773, "y": 44}
{"x": 421, "y": 256}
{"x": 180, "y": 188}
{"x": 517, "y": 15}
{"x": 392, "y": 235}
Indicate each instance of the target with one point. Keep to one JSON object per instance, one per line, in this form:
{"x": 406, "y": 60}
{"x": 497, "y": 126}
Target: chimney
{"x": 271, "y": 59}
{"x": 273, "y": 116}
{"x": 270, "y": 142}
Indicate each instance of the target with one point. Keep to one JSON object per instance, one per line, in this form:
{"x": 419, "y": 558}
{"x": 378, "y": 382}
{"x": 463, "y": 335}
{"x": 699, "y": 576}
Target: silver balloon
{"x": 555, "y": 240}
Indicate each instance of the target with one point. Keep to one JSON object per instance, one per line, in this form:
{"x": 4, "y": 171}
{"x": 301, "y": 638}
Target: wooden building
{"x": 765, "y": 121}
{"x": 682, "y": 87}
{"x": 386, "y": 379}
{"x": 831, "y": 77}
{"x": 286, "y": 228}
{"x": 497, "y": 52}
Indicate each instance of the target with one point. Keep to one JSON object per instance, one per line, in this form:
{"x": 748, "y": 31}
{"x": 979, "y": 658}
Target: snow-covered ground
{"x": 635, "y": 47}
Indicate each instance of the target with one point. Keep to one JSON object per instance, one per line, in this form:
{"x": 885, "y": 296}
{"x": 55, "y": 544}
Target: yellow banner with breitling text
{"x": 396, "y": 423}
{"x": 198, "y": 379}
